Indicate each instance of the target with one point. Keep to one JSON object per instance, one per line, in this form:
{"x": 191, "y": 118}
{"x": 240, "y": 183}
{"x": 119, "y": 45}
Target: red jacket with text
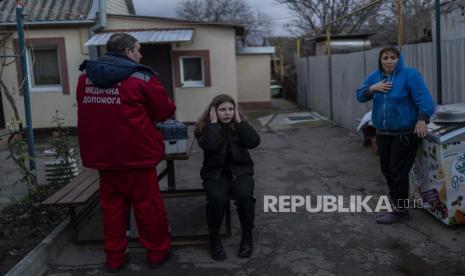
{"x": 118, "y": 101}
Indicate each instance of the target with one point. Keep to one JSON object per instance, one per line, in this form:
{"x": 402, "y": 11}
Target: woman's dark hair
{"x": 389, "y": 48}
{"x": 205, "y": 117}
{"x": 121, "y": 41}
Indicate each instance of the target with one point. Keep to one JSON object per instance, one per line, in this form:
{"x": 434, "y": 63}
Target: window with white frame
{"x": 192, "y": 71}
{"x": 46, "y": 65}
{"x": 44, "y": 69}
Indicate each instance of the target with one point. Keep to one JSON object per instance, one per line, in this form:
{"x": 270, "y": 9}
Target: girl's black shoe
{"x": 246, "y": 248}
{"x": 216, "y": 247}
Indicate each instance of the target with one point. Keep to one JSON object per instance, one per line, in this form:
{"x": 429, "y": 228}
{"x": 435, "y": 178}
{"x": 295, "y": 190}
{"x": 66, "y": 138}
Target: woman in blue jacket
{"x": 402, "y": 106}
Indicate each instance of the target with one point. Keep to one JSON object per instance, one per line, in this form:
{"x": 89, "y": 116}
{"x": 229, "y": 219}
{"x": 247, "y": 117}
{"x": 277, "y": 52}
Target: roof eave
{"x": 51, "y": 23}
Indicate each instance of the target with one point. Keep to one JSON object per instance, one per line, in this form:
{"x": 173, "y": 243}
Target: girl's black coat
{"x": 214, "y": 141}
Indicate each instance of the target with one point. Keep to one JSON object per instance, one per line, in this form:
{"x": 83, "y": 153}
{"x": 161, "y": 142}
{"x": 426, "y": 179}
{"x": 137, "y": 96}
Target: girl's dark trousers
{"x": 397, "y": 154}
{"x": 218, "y": 192}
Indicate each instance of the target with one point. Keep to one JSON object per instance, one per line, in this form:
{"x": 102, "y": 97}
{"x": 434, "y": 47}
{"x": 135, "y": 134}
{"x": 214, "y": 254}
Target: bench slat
{"x": 88, "y": 193}
{"x": 75, "y": 183}
{"x": 78, "y": 190}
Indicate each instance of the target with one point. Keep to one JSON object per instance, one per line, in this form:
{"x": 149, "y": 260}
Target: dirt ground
{"x": 23, "y": 226}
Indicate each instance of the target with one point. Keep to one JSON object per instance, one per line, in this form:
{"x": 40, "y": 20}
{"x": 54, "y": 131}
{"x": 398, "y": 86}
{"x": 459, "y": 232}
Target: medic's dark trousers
{"x": 119, "y": 189}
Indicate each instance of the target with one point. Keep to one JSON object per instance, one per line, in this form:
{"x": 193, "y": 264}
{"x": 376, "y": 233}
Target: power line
{"x": 280, "y": 18}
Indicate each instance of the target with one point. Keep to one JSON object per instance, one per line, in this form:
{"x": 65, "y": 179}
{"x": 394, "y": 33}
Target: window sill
{"x": 46, "y": 89}
{"x": 192, "y": 85}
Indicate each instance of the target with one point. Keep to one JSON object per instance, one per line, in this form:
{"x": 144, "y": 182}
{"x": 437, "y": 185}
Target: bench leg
{"x": 74, "y": 224}
{"x": 78, "y": 218}
{"x": 171, "y": 177}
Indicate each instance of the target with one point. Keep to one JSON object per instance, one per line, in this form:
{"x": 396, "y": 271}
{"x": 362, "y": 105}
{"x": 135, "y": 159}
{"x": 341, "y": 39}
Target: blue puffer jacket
{"x": 408, "y": 101}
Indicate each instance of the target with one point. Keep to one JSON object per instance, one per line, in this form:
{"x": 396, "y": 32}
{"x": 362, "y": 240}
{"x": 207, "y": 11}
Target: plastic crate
{"x": 174, "y": 136}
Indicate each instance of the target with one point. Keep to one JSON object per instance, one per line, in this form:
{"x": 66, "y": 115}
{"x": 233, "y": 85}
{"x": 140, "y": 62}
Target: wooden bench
{"x": 81, "y": 197}
{"x": 81, "y": 193}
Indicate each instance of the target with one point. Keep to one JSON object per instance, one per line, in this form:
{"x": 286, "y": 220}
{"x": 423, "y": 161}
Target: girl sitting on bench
{"x": 227, "y": 170}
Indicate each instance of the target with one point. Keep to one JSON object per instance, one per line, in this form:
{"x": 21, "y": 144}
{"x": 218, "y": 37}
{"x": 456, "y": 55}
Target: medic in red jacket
{"x": 118, "y": 101}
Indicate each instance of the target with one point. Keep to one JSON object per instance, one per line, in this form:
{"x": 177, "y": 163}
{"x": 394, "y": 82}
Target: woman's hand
{"x": 236, "y": 115}
{"x": 213, "y": 117}
{"x": 421, "y": 129}
{"x": 382, "y": 86}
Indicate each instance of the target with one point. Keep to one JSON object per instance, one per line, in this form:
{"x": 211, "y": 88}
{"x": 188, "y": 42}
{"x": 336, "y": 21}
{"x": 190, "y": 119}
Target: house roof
{"x": 449, "y": 2}
{"x": 146, "y": 36}
{"x": 46, "y": 10}
{"x": 130, "y": 6}
{"x": 448, "y": 6}
{"x": 239, "y": 28}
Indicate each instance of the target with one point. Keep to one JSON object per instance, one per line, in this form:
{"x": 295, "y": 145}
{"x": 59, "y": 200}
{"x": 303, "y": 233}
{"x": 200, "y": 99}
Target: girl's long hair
{"x": 205, "y": 117}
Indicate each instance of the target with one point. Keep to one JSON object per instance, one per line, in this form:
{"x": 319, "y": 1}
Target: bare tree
{"x": 312, "y": 15}
{"x": 416, "y": 27}
{"x": 380, "y": 19}
{"x": 256, "y": 24}
{"x": 4, "y": 62}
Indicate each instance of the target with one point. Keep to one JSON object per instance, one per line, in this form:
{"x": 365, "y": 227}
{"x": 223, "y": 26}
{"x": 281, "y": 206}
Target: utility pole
{"x": 400, "y": 24}
{"x": 25, "y": 87}
{"x": 438, "y": 52}
{"x": 281, "y": 61}
{"x": 330, "y": 70}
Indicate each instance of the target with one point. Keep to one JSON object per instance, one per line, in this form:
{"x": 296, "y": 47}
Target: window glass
{"x": 45, "y": 67}
{"x": 192, "y": 69}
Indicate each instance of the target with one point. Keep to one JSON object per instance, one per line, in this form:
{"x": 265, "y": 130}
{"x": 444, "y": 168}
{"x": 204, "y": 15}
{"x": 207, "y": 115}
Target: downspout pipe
{"x": 101, "y": 24}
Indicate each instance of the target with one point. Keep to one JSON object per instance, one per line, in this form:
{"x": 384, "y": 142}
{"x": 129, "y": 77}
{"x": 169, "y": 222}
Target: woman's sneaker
{"x": 382, "y": 213}
{"x": 393, "y": 217}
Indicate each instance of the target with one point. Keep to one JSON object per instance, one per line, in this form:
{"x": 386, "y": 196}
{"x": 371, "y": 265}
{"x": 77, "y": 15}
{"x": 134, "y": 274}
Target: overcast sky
{"x": 167, "y": 8}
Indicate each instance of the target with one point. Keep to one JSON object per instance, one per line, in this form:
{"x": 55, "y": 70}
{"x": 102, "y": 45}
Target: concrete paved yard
{"x": 307, "y": 159}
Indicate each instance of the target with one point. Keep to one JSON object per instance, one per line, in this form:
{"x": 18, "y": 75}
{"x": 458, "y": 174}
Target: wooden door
{"x": 158, "y": 57}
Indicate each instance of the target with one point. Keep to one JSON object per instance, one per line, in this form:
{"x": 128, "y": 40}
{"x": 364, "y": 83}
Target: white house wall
{"x": 45, "y": 104}
{"x": 253, "y": 78}
{"x": 220, "y": 41}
